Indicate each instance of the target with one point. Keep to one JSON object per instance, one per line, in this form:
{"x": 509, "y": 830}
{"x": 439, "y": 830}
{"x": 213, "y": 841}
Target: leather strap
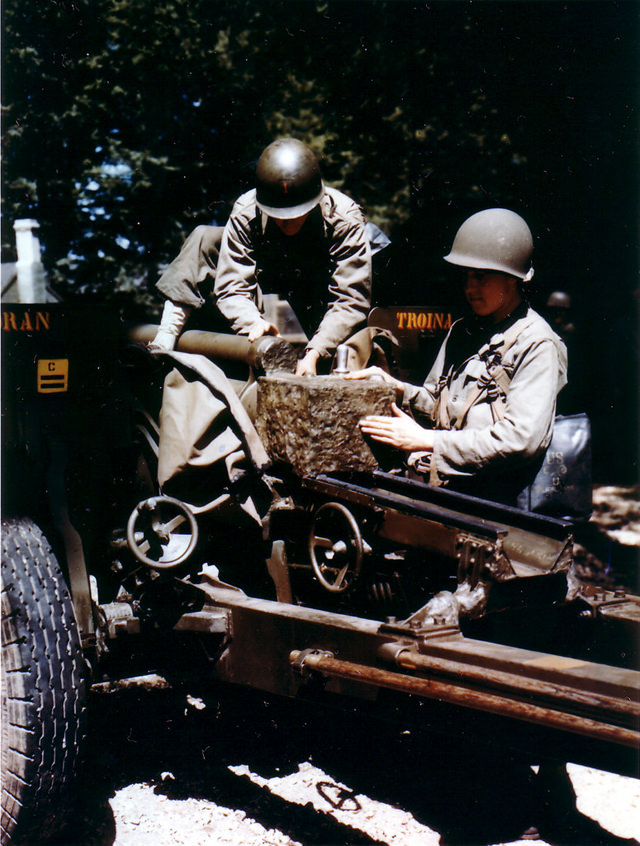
{"x": 492, "y": 354}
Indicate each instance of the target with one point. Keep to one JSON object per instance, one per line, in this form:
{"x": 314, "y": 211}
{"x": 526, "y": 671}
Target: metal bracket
{"x": 299, "y": 657}
{"x": 477, "y": 558}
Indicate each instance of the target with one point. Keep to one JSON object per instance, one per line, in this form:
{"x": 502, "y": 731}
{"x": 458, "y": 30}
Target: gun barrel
{"x": 268, "y": 353}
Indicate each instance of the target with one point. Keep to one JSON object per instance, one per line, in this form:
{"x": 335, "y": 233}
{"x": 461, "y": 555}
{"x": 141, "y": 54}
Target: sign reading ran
{"x": 26, "y": 321}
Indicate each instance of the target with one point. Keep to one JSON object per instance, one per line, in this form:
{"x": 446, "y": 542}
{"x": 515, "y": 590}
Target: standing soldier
{"x": 291, "y": 235}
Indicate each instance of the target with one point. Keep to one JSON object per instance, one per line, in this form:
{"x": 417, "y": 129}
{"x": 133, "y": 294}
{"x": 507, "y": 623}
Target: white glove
{"x": 174, "y": 316}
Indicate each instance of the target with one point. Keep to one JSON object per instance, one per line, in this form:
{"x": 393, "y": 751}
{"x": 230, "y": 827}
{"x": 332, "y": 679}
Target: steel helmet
{"x": 494, "y": 239}
{"x": 288, "y": 181}
{"x": 559, "y": 299}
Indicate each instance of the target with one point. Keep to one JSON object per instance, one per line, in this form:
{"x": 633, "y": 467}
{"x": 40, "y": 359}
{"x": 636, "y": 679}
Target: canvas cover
{"x": 207, "y": 440}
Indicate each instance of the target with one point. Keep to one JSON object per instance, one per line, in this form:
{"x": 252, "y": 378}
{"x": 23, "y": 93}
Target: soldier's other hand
{"x": 373, "y": 373}
{"x": 263, "y": 327}
{"x": 400, "y": 431}
{"x": 307, "y": 366}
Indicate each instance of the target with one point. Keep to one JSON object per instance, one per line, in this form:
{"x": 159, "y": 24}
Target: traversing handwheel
{"x": 162, "y": 532}
{"x": 335, "y": 547}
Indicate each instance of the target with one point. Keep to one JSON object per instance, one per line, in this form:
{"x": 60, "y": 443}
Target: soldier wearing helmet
{"x": 484, "y": 416}
{"x": 558, "y": 313}
{"x": 291, "y": 235}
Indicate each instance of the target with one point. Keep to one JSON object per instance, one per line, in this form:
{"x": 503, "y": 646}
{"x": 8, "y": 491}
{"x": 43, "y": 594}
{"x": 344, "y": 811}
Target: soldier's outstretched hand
{"x": 307, "y": 366}
{"x": 262, "y": 328}
{"x": 373, "y": 373}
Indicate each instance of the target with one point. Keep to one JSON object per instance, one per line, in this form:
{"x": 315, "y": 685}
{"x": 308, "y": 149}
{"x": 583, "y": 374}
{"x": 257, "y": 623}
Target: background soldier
{"x": 558, "y": 313}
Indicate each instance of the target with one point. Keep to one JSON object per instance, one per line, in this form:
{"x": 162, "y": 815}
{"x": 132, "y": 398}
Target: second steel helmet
{"x": 559, "y": 299}
{"x": 494, "y": 239}
{"x": 288, "y": 181}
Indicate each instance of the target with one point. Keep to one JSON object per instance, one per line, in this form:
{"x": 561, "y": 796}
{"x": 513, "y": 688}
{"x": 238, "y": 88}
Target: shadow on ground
{"x": 471, "y": 800}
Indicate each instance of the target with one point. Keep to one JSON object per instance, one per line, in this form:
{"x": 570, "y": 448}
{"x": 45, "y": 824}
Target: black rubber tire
{"x": 43, "y": 691}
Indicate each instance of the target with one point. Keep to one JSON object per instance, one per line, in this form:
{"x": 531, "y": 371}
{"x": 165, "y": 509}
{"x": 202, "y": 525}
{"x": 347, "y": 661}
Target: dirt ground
{"x": 171, "y": 767}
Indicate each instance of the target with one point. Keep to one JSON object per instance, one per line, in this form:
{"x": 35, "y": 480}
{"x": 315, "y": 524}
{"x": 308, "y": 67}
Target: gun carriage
{"x": 279, "y": 546}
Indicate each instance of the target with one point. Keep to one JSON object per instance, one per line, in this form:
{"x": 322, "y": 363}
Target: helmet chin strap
{"x": 529, "y": 276}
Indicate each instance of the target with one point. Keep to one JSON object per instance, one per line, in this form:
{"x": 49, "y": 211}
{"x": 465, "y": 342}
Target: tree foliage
{"x": 127, "y": 121}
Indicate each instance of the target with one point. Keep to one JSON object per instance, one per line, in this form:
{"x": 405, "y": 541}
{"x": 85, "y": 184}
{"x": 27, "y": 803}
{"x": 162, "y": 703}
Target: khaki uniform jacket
{"x": 347, "y": 291}
{"x": 537, "y": 365}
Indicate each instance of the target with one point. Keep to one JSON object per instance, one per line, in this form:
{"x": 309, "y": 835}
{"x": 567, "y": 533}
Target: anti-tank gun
{"x": 372, "y": 570}
{"x": 277, "y": 546}
{"x": 354, "y": 536}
